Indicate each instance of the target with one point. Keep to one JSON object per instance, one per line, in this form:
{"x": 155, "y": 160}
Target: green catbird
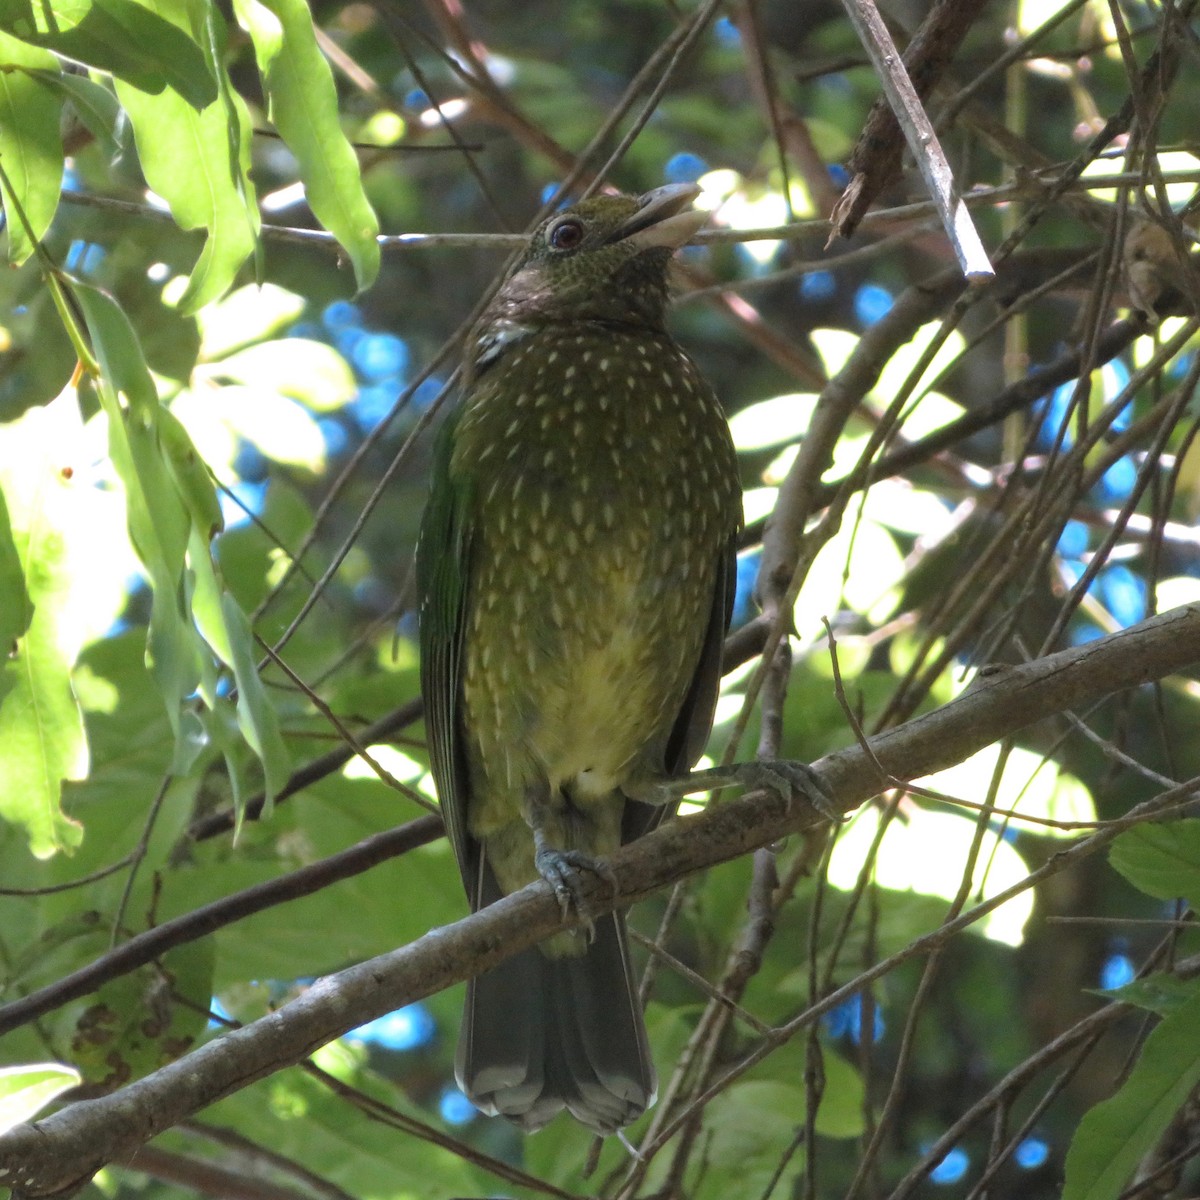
{"x": 576, "y": 569}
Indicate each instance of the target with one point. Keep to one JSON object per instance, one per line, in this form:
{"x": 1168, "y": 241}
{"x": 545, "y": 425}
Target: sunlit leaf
{"x": 215, "y": 439}
{"x": 1033, "y": 14}
{"x": 1177, "y": 591}
{"x": 171, "y": 498}
{"x": 15, "y": 608}
{"x": 1145, "y": 348}
{"x": 859, "y": 568}
{"x": 227, "y": 630}
{"x": 926, "y": 853}
{"x": 834, "y": 346}
{"x": 42, "y": 738}
{"x": 907, "y": 509}
{"x": 904, "y": 361}
{"x": 1034, "y": 786}
{"x": 308, "y": 371}
{"x": 397, "y": 764}
{"x": 30, "y": 144}
{"x": 185, "y": 155}
{"x": 246, "y": 316}
{"x": 93, "y": 103}
{"x": 1168, "y": 161}
{"x": 772, "y": 422}
{"x": 279, "y": 427}
{"x": 303, "y": 101}
{"x": 753, "y": 207}
{"x": 758, "y": 503}
{"x": 191, "y": 475}
{"x": 26, "y": 1090}
{"x": 120, "y": 36}
{"x": 846, "y": 456}
{"x": 931, "y": 413}
{"x": 158, "y": 519}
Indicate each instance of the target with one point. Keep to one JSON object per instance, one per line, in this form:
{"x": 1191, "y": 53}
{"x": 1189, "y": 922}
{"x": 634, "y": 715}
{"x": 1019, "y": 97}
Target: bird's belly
{"x": 604, "y": 702}
{"x": 574, "y": 675}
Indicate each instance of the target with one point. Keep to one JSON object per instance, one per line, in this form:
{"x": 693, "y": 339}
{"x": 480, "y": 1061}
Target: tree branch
{"x": 918, "y": 130}
{"x": 145, "y": 947}
{"x": 59, "y": 1154}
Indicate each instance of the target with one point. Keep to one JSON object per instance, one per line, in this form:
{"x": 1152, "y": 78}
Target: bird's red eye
{"x": 566, "y": 235}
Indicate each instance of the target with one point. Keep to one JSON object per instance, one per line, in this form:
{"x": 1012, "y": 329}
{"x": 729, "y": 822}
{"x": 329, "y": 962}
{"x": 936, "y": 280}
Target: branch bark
{"x": 57, "y": 1155}
{"x": 875, "y": 162}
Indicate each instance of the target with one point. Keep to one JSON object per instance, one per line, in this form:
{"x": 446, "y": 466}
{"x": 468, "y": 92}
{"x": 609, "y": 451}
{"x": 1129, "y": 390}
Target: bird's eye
{"x": 566, "y": 235}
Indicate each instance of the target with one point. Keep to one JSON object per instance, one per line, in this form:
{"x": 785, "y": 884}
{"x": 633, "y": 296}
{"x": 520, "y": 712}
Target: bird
{"x": 576, "y": 568}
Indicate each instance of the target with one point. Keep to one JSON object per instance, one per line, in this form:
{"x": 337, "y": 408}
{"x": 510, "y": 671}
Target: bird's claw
{"x": 789, "y": 779}
{"x": 562, "y": 870}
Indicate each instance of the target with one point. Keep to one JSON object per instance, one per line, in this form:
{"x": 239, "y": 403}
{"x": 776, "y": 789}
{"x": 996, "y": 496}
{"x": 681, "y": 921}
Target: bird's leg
{"x": 561, "y": 869}
{"x": 786, "y": 779}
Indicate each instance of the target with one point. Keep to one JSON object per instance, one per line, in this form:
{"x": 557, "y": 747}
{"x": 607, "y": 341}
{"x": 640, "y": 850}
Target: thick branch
{"x": 59, "y": 1154}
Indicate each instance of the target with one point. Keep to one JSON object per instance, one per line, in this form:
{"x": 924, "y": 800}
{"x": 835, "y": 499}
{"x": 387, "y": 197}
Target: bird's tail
{"x": 542, "y": 1034}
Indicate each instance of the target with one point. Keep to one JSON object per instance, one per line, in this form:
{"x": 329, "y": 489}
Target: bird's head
{"x": 604, "y": 259}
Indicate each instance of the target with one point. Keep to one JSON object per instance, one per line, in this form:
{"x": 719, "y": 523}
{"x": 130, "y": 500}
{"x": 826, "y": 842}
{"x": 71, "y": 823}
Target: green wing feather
{"x": 694, "y": 722}
{"x": 443, "y": 552}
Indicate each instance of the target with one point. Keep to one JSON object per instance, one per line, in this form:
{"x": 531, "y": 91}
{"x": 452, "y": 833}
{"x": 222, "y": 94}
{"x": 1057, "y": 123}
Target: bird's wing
{"x": 442, "y": 562}
{"x": 694, "y": 722}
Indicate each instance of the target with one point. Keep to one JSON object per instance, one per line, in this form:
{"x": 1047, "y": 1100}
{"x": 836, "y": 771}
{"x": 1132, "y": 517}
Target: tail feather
{"x": 542, "y": 1034}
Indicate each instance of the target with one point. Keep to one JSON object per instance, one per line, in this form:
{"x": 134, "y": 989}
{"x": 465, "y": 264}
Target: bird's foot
{"x": 786, "y": 779}
{"x": 563, "y": 871}
{"x": 789, "y": 780}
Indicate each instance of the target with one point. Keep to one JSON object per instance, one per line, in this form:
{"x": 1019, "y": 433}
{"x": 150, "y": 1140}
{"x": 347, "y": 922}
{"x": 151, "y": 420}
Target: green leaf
{"x": 185, "y": 155}
{"x": 41, "y": 730}
{"x": 277, "y": 426}
{"x": 158, "y": 518}
{"x": 860, "y": 568}
{"x": 117, "y": 349}
{"x": 747, "y": 1127}
{"x": 1030, "y": 784}
{"x": 925, "y": 854}
{"x": 124, "y": 38}
{"x": 94, "y": 104}
{"x": 246, "y": 316}
{"x": 1161, "y": 859}
{"x": 15, "y": 607}
{"x": 42, "y": 738}
{"x": 343, "y": 1143}
{"x": 840, "y": 1114}
{"x": 30, "y": 144}
{"x": 1118, "y": 1132}
{"x": 147, "y": 1018}
{"x": 772, "y": 422}
{"x": 303, "y": 99}
{"x": 26, "y": 1090}
{"x": 226, "y": 628}
{"x": 308, "y": 371}
{"x": 173, "y": 513}
{"x": 191, "y": 476}
{"x": 1161, "y": 992}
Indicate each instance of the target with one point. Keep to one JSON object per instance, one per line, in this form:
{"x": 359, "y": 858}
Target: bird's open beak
{"x": 665, "y": 217}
